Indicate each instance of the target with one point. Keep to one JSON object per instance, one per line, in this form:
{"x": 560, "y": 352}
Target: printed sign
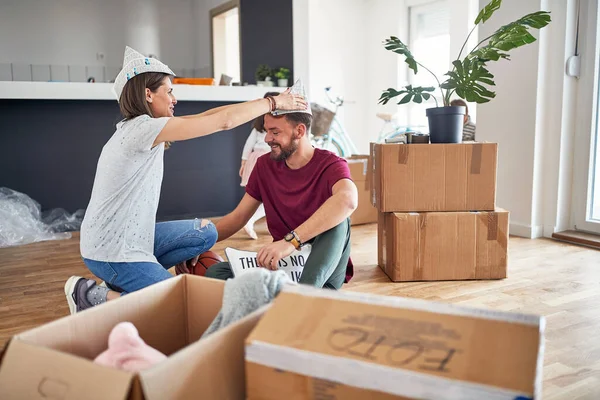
{"x": 243, "y": 261}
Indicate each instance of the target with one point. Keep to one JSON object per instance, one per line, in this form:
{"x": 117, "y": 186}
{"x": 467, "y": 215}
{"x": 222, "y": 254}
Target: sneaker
{"x": 76, "y": 289}
{"x": 250, "y": 231}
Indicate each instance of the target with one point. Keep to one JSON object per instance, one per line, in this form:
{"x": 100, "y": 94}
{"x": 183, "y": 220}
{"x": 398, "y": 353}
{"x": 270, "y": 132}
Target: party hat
{"x": 298, "y": 88}
{"x": 135, "y": 63}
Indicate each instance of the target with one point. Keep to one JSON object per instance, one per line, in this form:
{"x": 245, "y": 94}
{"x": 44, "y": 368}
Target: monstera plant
{"x": 469, "y": 77}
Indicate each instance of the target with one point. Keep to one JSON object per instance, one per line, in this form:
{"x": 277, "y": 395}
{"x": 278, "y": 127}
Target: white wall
{"x": 344, "y": 50}
{"x": 384, "y": 18}
{"x": 335, "y": 52}
{"x": 531, "y": 119}
{"x": 72, "y": 32}
{"x": 354, "y": 62}
{"x": 510, "y": 118}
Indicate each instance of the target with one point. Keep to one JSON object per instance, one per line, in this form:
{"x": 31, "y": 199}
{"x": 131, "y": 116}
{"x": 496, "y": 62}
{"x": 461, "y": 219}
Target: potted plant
{"x": 469, "y": 76}
{"x": 264, "y": 75}
{"x": 282, "y": 75}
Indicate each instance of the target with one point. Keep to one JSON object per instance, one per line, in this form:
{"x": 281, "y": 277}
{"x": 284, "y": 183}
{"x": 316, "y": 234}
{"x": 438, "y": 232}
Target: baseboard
{"x": 526, "y": 231}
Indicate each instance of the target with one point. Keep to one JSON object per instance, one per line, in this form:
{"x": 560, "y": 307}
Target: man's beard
{"x": 285, "y": 152}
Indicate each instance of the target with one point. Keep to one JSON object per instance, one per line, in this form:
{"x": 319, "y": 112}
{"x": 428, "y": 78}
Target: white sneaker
{"x": 250, "y": 231}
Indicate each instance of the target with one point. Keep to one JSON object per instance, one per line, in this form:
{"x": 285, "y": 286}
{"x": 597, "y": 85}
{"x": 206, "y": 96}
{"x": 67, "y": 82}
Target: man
{"x": 308, "y": 197}
{"x": 468, "y": 126}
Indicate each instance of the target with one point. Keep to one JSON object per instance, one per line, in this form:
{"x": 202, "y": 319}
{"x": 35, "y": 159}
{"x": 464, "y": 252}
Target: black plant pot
{"x": 446, "y": 124}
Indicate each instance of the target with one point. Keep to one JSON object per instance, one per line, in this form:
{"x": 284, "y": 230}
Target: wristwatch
{"x": 293, "y": 238}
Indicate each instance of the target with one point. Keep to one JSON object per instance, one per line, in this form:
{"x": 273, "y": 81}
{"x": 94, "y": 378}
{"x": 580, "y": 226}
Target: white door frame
{"x": 586, "y": 116}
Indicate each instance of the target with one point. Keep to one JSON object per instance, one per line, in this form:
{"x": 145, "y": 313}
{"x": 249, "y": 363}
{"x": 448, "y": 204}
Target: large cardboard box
{"x": 54, "y": 360}
{"x": 365, "y": 213}
{"x": 319, "y": 344}
{"x": 440, "y": 246}
{"x": 434, "y": 177}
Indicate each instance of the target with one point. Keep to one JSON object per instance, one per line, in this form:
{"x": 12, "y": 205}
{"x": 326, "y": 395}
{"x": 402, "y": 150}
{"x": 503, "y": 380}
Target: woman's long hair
{"x": 133, "y": 101}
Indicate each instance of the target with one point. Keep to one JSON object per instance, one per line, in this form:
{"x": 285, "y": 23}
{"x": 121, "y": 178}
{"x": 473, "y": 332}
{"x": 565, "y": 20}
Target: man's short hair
{"x": 299, "y": 118}
{"x": 460, "y": 102}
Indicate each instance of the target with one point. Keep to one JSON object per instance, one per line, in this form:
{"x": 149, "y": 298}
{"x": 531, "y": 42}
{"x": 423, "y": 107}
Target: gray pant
{"x": 325, "y": 266}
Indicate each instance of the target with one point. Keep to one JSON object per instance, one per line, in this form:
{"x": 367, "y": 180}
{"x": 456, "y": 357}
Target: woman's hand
{"x": 242, "y": 168}
{"x": 288, "y": 101}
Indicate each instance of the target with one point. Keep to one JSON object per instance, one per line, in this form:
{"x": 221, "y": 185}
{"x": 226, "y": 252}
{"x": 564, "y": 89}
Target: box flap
{"x": 342, "y": 337}
{"x": 33, "y": 372}
{"x": 156, "y": 311}
{"x": 204, "y": 298}
{"x": 211, "y": 368}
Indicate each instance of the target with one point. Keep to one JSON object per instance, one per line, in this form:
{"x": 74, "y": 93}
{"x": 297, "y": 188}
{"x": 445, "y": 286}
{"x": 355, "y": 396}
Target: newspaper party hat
{"x": 135, "y": 63}
{"x": 298, "y": 88}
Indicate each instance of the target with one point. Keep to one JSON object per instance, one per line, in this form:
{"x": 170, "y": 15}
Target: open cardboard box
{"x": 55, "y": 360}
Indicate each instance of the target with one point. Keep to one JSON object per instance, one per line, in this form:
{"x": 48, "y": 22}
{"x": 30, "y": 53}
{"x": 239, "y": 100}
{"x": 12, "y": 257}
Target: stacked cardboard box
{"x": 437, "y": 211}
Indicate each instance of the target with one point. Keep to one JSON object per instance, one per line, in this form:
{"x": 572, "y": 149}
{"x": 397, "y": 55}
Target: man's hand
{"x": 269, "y": 256}
{"x": 182, "y": 267}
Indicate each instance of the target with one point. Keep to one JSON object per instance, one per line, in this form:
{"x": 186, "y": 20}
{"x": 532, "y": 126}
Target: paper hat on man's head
{"x": 135, "y": 63}
{"x": 298, "y": 88}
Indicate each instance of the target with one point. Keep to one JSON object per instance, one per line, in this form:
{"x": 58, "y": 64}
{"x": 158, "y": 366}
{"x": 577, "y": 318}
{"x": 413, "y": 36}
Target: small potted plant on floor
{"x": 264, "y": 75}
{"x": 469, "y": 76}
{"x": 282, "y": 75}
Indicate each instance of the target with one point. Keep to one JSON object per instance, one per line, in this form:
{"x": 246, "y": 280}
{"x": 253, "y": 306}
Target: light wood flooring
{"x": 557, "y": 280}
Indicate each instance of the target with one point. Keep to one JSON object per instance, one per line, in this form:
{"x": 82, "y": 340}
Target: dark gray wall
{"x": 266, "y": 36}
{"x": 49, "y": 150}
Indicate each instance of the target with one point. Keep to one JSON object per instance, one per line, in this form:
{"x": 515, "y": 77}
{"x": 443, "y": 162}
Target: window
{"x": 226, "y": 41}
{"x": 429, "y": 42}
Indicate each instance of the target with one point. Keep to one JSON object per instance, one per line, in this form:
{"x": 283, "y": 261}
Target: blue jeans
{"x": 174, "y": 242}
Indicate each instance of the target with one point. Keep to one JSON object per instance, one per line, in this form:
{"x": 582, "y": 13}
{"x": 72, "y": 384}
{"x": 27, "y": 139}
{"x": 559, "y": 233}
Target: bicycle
{"x": 327, "y": 132}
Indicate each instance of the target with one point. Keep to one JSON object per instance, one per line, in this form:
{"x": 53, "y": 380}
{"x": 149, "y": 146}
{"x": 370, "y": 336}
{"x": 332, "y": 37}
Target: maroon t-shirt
{"x": 291, "y": 196}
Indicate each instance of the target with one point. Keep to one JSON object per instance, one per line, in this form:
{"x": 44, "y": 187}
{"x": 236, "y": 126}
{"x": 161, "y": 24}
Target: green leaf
{"x": 416, "y": 94}
{"x": 394, "y": 44}
{"x": 487, "y": 11}
{"x": 510, "y": 36}
{"x": 388, "y": 95}
{"x": 405, "y": 99}
{"x": 468, "y": 79}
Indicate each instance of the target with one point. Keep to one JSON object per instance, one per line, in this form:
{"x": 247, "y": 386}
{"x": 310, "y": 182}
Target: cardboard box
{"x": 440, "y": 246}
{"x": 365, "y": 213}
{"x": 54, "y": 360}
{"x": 319, "y": 344}
{"x": 434, "y": 177}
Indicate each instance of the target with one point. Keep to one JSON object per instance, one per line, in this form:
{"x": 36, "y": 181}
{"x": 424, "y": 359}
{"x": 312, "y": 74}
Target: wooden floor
{"x": 551, "y": 278}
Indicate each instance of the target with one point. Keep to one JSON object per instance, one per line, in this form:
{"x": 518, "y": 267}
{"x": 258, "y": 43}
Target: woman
{"x": 255, "y": 147}
{"x": 121, "y": 243}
